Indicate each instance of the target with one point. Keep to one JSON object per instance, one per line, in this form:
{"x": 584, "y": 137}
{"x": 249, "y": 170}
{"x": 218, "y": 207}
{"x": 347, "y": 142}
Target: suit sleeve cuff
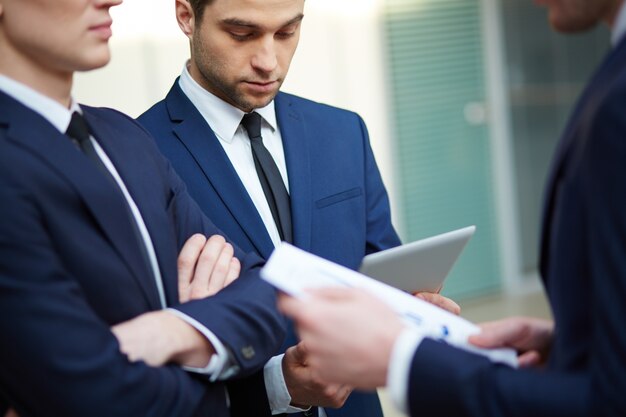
{"x": 400, "y": 366}
{"x": 221, "y": 365}
{"x": 276, "y": 388}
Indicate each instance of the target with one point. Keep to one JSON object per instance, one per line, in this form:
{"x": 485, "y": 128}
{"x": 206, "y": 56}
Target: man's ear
{"x": 185, "y": 17}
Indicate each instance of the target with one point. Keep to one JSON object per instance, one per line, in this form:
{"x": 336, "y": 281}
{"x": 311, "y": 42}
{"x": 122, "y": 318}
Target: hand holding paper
{"x": 346, "y": 352}
{"x": 360, "y": 324}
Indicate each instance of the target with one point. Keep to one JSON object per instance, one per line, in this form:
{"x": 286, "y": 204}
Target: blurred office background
{"x": 464, "y": 101}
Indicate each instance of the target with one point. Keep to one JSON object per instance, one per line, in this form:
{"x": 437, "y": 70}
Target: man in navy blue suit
{"x": 583, "y": 266}
{"x": 314, "y": 160}
{"x": 338, "y": 206}
{"x": 92, "y": 219}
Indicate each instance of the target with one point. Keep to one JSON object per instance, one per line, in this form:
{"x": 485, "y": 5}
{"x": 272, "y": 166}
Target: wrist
{"x": 289, "y": 383}
{"x": 188, "y": 347}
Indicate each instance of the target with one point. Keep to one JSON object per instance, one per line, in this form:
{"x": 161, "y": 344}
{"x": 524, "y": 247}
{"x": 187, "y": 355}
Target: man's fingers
{"x": 528, "y": 359}
{"x": 484, "y": 340}
{"x": 300, "y": 353}
{"x": 233, "y": 272}
{"x": 218, "y": 277}
{"x": 187, "y": 260}
{"x": 490, "y": 337}
{"x": 205, "y": 265}
{"x": 330, "y": 294}
{"x": 495, "y": 334}
{"x": 440, "y": 301}
{"x": 336, "y": 395}
{"x": 288, "y": 305}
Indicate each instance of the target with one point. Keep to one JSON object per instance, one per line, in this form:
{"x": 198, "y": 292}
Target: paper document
{"x": 293, "y": 271}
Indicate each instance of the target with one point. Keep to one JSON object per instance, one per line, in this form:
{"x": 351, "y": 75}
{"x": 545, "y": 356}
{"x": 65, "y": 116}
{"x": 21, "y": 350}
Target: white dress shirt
{"x": 225, "y": 121}
{"x": 221, "y": 364}
{"x": 619, "y": 26}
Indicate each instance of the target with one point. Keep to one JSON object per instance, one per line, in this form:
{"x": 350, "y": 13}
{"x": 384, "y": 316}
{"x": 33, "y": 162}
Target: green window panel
{"x": 443, "y": 163}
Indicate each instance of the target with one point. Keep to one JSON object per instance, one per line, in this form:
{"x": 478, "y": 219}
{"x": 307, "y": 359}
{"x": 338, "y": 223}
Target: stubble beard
{"x": 215, "y": 81}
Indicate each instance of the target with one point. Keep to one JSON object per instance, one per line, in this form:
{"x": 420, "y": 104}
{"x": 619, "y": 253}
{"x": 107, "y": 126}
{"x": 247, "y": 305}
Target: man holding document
{"x": 583, "y": 265}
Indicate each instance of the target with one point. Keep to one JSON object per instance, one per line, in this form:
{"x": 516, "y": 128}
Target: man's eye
{"x": 240, "y": 36}
{"x": 285, "y": 35}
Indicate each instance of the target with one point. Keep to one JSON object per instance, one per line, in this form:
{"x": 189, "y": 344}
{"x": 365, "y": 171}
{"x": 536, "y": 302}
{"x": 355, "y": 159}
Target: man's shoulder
{"x": 157, "y": 113}
{"x": 115, "y": 120}
{"x": 173, "y": 108}
{"x": 109, "y": 116}
{"x": 120, "y": 128}
{"x": 305, "y": 106}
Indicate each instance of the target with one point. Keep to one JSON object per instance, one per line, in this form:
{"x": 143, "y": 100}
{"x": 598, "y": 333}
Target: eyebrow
{"x": 247, "y": 24}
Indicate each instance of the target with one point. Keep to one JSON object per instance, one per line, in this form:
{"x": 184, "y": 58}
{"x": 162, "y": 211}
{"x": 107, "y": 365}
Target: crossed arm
{"x": 205, "y": 266}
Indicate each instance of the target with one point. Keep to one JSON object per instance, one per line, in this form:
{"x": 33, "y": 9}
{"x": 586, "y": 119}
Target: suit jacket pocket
{"x": 339, "y": 197}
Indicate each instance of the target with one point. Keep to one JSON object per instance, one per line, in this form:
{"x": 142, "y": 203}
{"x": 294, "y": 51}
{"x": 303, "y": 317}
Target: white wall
{"x": 340, "y": 61}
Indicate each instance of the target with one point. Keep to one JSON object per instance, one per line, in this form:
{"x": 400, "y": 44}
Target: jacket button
{"x": 310, "y": 412}
{"x": 248, "y": 352}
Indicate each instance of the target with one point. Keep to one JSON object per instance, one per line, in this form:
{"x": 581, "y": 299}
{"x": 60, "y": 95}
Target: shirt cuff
{"x": 277, "y": 392}
{"x": 222, "y": 364}
{"x": 400, "y": 367}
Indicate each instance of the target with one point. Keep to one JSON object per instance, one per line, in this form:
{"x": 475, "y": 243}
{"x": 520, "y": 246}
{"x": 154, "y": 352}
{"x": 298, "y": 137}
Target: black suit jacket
{"x": 70, "y": 268}
{"x": 340, "y": 209}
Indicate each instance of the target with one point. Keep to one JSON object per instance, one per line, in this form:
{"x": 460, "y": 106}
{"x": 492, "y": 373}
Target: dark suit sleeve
{"x": 57, "y": 357}
{"x": 380, "y": 232}
{"x": 4, "y": 405}
{"x": 445, "y": 381}
{"x": 604, "y": 173}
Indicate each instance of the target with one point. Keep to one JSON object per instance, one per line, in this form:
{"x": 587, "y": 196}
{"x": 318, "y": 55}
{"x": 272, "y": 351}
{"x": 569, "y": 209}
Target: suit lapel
{"x": 296, "y": 145}
{"x": 584, "y": 110}
{"x": 136, "y": 172}
{"x": 32, "y": 131}
{"x": 199, "y": 139}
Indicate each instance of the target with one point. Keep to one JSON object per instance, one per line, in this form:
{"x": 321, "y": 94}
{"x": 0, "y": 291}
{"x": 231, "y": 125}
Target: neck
{"x": 199, "y": 78}
{"x": 54, "y": 84}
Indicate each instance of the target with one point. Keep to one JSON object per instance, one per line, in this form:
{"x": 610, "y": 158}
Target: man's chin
{"x": 255, "y": 102}
{"x": 572, "y": 24}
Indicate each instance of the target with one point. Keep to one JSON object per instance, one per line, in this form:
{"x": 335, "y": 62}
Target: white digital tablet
{"x": 420, "y": 265}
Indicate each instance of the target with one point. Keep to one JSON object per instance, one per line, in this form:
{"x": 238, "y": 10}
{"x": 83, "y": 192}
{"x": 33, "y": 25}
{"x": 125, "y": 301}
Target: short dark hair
{"x": 198, "y": 7}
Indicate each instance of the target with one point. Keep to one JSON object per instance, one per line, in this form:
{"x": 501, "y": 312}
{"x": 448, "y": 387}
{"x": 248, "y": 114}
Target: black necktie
{"x": 269, "y": 175}
{"x": 78, "y": 131}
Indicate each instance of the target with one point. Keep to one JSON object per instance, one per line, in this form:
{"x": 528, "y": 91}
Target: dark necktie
{"x": 79, "y": 132}
{"x": 269, "y": 175}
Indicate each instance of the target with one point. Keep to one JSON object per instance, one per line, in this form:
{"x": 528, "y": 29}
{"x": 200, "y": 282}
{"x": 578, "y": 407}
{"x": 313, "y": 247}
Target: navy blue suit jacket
{"x": 70, "y": 268}
{"x": 583, "y": 266}
{"x": 340, "y": 208}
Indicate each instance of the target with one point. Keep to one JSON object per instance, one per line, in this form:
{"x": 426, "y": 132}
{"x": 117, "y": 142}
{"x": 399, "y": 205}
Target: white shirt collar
{"x": 619, "y": 26}
{"x": 52, "y": 111}
{"x": 223, "y": 117}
